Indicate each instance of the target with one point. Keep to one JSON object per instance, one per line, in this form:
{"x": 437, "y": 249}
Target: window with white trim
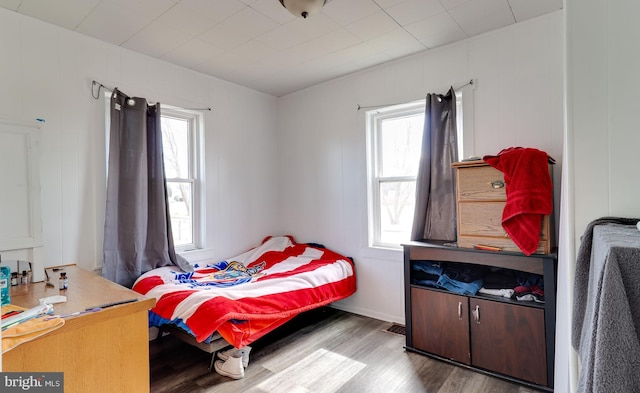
{"x": 180, "y": 142}
{"x": 394, "y": 140}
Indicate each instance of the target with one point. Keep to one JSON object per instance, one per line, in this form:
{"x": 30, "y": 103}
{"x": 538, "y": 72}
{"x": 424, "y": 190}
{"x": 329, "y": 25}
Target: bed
{"x": 238, "y": 300}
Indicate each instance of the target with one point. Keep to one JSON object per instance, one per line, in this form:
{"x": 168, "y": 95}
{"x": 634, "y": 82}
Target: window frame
{"x": 374, "y": 170}
{"x": 466, "y": 143}
{"x": 194, "y": 120}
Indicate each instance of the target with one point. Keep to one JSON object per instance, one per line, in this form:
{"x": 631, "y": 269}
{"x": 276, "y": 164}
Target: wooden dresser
{"x": 506, "y": 338}
{"x": 103, "y": 351}
{"x": 480, "y": 200}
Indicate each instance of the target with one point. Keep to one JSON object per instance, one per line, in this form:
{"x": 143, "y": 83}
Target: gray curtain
{"x": 435, "y": 212}
{"x": 137, "y": 231}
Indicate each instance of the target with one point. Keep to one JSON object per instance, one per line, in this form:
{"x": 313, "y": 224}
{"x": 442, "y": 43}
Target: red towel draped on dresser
{"x": 529, "y": 193}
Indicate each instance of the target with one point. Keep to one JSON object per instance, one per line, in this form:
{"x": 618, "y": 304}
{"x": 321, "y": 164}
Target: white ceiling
{"x": 259, "y": 44}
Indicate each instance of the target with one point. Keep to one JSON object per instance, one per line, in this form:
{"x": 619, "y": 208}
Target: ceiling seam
{"x": 87, "y": 15}
{"x": 398, "y": 23}
{"x": 511, "y": 10}
{"x": 148, "y": 24}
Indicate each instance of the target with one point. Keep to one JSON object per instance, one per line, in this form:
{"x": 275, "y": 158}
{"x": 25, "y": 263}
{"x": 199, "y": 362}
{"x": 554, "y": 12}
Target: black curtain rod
{"x": 378, "y": 106}
{"x": 101, "y": 86}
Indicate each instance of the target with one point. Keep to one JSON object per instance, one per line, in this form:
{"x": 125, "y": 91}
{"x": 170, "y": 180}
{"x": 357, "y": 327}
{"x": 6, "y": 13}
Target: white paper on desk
{"x": 53, "y": 299}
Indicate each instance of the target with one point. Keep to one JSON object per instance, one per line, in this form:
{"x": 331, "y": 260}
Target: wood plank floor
{"x": 323, "y": 351}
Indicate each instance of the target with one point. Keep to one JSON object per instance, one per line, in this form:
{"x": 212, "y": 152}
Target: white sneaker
{"x": 232, "y": 367}
{"x": 243, "y": 352}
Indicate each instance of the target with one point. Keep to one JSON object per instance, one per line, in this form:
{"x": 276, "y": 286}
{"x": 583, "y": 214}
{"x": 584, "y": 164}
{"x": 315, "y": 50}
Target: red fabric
{"x": 529, "y": 194}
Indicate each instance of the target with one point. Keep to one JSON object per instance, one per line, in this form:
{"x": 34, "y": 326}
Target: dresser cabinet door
{"x": 509, "y": 339}
{"x": 440, "y": 324}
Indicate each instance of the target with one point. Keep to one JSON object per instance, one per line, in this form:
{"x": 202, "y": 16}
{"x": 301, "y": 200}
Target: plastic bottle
{"x": 5, "y": 277}
{"x": 63, "y": 282}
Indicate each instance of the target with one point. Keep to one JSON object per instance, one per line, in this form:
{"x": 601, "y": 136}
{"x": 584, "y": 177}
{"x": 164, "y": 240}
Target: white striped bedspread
{"x": 247, "y": 296}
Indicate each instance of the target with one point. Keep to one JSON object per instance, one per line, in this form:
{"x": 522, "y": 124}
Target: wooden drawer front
{"x": 481, "y": 223}
{"x": 485, "y": 219}
{"x": 480, "y": 183}
{"x": 481, "y": 219}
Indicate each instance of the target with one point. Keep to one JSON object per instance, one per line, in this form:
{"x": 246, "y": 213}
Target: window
{"x": 394, "y": 139}
{"x": 180, "y": 131}
{"x": 183, "y": 162}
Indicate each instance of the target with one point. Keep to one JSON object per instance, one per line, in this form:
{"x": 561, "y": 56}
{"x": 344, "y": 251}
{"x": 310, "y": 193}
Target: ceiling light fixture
{"x": 303, "y": 8}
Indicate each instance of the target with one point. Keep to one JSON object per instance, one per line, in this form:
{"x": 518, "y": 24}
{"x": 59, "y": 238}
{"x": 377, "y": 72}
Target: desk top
{"x": 85, "y": 290}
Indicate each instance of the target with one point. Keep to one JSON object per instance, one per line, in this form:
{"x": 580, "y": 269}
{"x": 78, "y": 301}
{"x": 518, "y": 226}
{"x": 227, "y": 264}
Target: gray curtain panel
{"x": 137, "y": 231}
{"x": 435, "y": 212}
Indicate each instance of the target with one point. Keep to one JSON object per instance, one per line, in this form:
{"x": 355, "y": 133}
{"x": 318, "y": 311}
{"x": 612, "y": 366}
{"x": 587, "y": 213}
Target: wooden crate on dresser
{"x": 480, "y": 200}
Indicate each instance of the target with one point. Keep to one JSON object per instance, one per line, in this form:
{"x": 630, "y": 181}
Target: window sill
{"x": 201, "y": 255}
{"x": 385, "y": 253}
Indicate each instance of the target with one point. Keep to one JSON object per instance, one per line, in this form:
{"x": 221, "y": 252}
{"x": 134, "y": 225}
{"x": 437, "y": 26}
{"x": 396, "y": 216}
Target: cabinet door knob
{"x": 476, "y": 314}
{"x": 460, "y": 311}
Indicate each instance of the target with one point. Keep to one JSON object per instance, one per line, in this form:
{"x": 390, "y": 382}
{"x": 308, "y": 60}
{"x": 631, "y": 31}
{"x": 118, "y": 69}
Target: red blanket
{"x": 249, "y": 295}
{"x": 529, "y": 194}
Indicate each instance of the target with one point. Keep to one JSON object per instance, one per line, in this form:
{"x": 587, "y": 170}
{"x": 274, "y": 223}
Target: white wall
{"x": 603, "y": 98}
{"x": 518, "y": 99}
{"x": 602, "y": 110}
{"x": 46, "y": 72}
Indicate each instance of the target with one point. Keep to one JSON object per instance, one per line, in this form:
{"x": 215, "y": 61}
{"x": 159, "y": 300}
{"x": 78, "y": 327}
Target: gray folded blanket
{"x": 581, "y": 279}
{"x": 606, "y": 307}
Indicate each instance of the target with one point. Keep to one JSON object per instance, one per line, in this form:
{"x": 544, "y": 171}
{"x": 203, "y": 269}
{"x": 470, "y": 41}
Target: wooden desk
{"x": 104, "y": 351}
